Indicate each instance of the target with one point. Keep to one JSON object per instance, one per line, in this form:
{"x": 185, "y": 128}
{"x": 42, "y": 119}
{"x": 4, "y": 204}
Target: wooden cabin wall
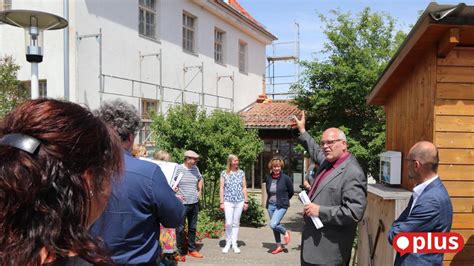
{"x": 409, "y": 110}
{"x": 454, "y": 137}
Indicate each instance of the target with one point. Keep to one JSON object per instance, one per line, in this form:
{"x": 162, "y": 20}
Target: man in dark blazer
{"x": 338, "y": 196}
{"x": 429, "y": 208}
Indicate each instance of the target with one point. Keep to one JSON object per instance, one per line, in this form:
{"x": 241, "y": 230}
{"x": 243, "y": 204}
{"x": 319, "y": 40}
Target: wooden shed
{"x": 427, "y": 91}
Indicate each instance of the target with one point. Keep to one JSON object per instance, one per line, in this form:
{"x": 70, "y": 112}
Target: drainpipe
{"x": 66, "y": 50}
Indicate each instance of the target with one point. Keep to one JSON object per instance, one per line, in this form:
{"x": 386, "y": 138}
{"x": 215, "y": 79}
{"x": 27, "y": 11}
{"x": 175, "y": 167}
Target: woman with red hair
{"x": 56, "y": 166}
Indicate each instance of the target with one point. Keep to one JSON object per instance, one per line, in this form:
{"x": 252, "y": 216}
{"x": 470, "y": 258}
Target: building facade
{"x": 151, "y": 53}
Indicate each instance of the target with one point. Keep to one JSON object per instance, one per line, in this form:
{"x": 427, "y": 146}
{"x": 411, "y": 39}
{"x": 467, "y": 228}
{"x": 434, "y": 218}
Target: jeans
{"x": 233, "y": 211}
{"x": 191, "y": 214}
{"x": 276, "y": 214}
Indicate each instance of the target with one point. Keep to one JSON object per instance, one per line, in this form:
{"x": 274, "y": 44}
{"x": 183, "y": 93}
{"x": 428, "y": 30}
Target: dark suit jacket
{"x": 432, "y": 212}
{"x": 284, "y": 190}
{"x": 342, "y": 196}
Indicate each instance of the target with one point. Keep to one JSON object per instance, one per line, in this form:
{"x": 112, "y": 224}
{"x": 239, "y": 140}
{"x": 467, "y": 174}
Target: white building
{"x": 152, "y": 53}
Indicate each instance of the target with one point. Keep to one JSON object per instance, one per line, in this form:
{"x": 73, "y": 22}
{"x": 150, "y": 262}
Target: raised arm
{"x": 308, "y": 142}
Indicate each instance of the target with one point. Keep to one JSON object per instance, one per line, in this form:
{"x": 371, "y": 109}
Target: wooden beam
{"x": 449, "y": 40}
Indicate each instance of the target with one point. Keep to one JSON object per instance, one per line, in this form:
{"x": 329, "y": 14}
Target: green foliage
{"x": 255, "y": 214}
{"x": 212, "y": 136}
{"x": 208, "y": 226}
{"x": 211, "y": 221}
{"x": 333, "y": 90}
{"x": 10, "y": 93}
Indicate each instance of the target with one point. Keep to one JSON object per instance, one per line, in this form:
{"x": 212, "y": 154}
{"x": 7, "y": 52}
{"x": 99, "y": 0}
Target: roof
{"x": 270, "y": 114}
{"x": 436, "y": 22}
{"x": 240, "y": 12}
{"x": 236, "y": 5}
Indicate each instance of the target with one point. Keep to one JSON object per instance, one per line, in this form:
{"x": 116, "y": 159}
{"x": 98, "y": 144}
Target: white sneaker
{"x": 226, "y": 248}
{"x": 236, "y": 249}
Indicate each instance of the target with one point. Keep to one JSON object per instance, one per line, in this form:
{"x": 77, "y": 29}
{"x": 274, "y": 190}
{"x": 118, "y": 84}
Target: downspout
{"x": 66, "y": 50}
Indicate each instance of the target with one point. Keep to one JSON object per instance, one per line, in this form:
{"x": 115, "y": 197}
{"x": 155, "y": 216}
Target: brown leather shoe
{"x": 195, "y": 254}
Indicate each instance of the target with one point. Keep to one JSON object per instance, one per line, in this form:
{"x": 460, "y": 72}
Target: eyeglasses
{"x": 328, "y": 142}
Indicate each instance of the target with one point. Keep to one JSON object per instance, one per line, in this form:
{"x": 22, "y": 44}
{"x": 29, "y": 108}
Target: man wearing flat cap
{"x": 189, "y": 188}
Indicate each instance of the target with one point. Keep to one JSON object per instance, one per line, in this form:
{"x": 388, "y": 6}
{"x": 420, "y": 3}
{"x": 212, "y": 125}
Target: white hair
{"x": 341, "y": 134}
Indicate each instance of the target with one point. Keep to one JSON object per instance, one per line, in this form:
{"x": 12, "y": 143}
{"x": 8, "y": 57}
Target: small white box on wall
{"x": 390, "y": 167}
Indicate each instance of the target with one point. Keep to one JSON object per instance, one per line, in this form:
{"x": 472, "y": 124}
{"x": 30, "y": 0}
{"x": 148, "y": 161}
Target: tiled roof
{"x": 270, "y": 114}
{"x": 236, "y": 5}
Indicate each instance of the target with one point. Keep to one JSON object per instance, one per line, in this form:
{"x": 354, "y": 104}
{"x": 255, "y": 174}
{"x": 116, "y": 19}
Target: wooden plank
{"x": 454, "y": 140}
{"x": 455, "y": 91}
{"x": 456, "y": 156}
{"x": 449, "y": 40}
{"x": 454, "y": 107}
{"x": 463, "y": 204}
{"x": 460, "y": 189}
{"x": 467, "y": 234}
{"x": 458, "y": 263}
{"x": 463, "y": 221}
{"x": 455, "y": 74}
{"x": 466, "y": 254}
{"x": 459, "y": 56}
{"x": 454, "y": 123}
{"x": 456, "y": 172}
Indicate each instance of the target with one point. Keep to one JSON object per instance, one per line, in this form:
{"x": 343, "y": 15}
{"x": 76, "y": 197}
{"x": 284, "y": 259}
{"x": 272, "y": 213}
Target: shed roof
{"x": 270, "y": 114}
{"x": 433, "y": 26}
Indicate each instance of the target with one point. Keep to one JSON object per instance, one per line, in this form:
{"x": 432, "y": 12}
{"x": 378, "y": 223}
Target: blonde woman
{"x": 233, "y": 194}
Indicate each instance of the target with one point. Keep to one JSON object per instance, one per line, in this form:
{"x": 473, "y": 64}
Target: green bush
{"x": 208, "y": 227}
{"x": 255, "y": 214}
{"x": 213, "y": 136}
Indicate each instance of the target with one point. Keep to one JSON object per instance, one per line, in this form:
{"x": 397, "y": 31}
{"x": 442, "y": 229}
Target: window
{"x": 219, "y": 46}
{"x": 145, "y": 134}
{"x": 5, "y": 5}
{"x": 149, "y": 106}
{"x": 147, "y": 18}
{"x": 42, "y": 86}
{"x": 189, "y": 23}
{"x": 242, "y": 57}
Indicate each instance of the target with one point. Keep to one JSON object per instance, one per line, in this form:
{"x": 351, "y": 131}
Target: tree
{"x": 10, "y": 94}
{"x": 212, "y": 136}
{"x": 333, "y": 89}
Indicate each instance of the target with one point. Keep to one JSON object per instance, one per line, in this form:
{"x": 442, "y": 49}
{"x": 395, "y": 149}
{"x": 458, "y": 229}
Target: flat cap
{"x": 192, "y": 154}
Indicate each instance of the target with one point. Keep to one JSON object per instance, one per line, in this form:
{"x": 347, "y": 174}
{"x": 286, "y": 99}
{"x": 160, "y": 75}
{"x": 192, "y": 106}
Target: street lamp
{"x": 34, "y": 23}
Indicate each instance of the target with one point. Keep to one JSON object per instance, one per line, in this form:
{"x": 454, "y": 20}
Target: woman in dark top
{"x": 279, "y": 190}
{"x": 56, "y": 166}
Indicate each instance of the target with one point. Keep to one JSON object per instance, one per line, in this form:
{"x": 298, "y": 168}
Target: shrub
{"x": 208, "y": 227}
{"x": 255, "y": 214}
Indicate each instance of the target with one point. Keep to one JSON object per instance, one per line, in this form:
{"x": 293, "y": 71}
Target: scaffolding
{"x": 288, "y": 54}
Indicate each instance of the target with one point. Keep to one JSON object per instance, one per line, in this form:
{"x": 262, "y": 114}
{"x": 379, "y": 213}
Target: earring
{"x": 91, "y": 194}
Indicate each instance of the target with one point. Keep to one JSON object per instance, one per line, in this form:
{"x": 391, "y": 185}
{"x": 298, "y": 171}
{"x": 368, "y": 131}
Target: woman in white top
{"x": 233, "y": 194}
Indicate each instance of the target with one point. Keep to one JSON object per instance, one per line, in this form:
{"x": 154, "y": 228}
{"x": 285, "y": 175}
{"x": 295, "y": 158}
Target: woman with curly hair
{"x": 56, "y": 165}
{"x": 279, "y": 190}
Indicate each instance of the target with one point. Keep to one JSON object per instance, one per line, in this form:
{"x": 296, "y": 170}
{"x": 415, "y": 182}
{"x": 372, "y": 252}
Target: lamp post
{"x": 34, "y": 23}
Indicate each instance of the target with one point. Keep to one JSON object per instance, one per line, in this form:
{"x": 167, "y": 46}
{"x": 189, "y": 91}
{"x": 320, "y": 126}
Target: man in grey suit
{"x": 338, "y": 196}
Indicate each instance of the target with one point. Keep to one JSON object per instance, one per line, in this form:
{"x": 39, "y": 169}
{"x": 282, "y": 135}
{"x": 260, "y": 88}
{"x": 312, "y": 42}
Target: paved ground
{"x": 256, "y": 244}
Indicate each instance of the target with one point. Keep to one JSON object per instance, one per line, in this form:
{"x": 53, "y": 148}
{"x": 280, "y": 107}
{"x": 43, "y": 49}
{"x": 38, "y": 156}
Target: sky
{"x": 279, "y": 16}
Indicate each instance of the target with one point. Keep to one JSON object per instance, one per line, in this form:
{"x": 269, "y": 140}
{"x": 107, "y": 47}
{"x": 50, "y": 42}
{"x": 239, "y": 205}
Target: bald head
{"x": 336, "y": 132}
{"x": 426, "y": 153}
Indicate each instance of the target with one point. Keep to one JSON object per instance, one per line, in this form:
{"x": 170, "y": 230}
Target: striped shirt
{"x": 188, "y": 186}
